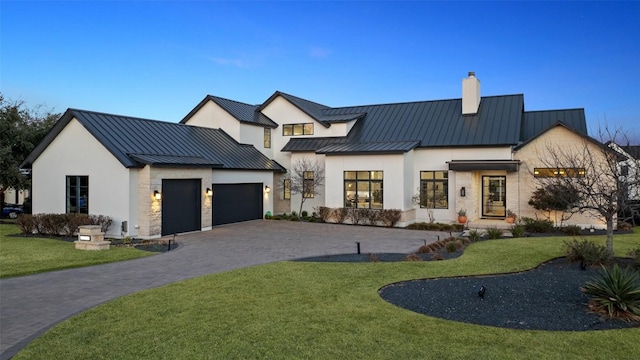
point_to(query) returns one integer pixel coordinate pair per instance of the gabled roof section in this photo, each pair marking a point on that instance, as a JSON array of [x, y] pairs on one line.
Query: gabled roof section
[[439, 123], [136, 142], [553, 126], [534, 122], [245, 113]]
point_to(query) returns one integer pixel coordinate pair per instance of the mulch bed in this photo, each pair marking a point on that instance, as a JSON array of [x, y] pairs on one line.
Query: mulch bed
[[545, 298]]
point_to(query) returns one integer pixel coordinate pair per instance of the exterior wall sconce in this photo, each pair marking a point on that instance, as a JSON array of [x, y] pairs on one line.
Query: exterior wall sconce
[[209, 192], [157, 195], [267, 189], [463, 192]]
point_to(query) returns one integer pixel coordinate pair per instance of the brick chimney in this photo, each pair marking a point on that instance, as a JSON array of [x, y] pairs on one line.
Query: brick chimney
[[470, 94]]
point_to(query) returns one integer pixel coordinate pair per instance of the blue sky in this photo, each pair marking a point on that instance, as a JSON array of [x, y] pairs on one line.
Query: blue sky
[[158, 59]]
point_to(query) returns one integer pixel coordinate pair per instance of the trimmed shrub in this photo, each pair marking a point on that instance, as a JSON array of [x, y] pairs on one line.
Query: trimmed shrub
[[615, 292], [372, 215], [537, 226], [304, 213], [425, 249], [341, 214], [450, 246], [324, 213], [459, 244], [391, 216], [624, 226], [494, 232], [26, 223], [104, 221], [413, 257], [74, 221], [571, 230], [587, 251], [356, 215], [437, 256], [53, 224]]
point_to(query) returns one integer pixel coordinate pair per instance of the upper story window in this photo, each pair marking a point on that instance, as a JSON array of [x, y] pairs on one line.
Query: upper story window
[[434, 189], [267, 138], [558, 172], [77, 198], [297, 129]]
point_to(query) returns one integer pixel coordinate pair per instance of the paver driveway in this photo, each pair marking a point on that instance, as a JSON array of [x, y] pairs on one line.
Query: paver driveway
[[29, 305]]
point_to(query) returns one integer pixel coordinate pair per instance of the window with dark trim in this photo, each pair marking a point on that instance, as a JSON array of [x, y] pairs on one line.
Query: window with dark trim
[[558, 172], [434, 189], [77, 195], [287, 189], [297, 129], [363, 189], [267, 138], [307, 184]]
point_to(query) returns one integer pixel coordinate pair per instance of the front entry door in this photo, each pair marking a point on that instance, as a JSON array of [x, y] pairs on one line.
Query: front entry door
[[494, 196]]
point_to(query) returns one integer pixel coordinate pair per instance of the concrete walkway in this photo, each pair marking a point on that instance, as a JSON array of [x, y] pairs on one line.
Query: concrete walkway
[[30, 305]]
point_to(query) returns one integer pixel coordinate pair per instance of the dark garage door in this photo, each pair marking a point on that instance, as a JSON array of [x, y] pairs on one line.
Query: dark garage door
[[236, 202], [181, 208]]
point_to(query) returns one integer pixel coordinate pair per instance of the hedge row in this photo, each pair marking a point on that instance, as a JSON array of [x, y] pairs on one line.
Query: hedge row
[[60, 224], [388, 217]]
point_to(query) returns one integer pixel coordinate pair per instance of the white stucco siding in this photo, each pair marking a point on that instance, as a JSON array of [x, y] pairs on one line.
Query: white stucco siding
[[245, 177], [76, 152], [283, 112], [435, 159], [394, 193], [213, 116], [254, 135], [531, 154]]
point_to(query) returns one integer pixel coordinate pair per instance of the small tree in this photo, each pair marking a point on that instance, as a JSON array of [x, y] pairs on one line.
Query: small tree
[[428, 199], [556, 198], [21, 129], [591, 171], [305, 178]]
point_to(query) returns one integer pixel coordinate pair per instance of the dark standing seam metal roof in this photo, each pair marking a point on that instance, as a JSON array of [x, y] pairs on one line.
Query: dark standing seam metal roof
[[432, 123], [633, 150], [535, 122], [244, 113], [364, 148], [136, 142]]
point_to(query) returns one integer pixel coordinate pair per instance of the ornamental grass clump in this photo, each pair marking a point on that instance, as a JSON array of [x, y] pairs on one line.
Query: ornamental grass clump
[[616, 293], [494, 233]]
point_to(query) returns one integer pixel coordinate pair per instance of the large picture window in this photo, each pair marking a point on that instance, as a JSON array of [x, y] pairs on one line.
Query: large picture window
[[297, 129], [77, 195], [307, 184], [558, 172], [434, 189], [363, 189]]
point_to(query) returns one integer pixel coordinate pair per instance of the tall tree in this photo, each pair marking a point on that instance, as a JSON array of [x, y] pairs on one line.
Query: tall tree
[[591, 177], [21, 129], [305, 178]]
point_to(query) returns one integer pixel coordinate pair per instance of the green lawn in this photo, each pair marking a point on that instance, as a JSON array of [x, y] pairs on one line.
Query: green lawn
[[293, 310], [28, 255]]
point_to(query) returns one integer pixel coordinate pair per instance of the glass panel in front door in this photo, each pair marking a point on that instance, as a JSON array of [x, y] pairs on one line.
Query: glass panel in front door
[[493, 196]]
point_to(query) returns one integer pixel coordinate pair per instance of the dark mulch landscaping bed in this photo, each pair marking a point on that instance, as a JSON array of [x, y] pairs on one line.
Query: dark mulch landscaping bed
[[545, 298]]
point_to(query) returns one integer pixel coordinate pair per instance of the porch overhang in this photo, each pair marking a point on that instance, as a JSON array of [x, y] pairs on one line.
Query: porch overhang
[[480, 165]]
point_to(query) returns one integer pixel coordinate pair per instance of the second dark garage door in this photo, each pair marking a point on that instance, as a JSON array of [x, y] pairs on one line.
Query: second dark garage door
[[181, 205], [236, 202]]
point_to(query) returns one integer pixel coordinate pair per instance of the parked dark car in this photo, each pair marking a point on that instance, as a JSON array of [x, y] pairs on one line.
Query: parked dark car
[[11, 210]]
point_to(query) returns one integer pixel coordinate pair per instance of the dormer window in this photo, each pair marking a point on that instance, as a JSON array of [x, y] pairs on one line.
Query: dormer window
[[297, 129]]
